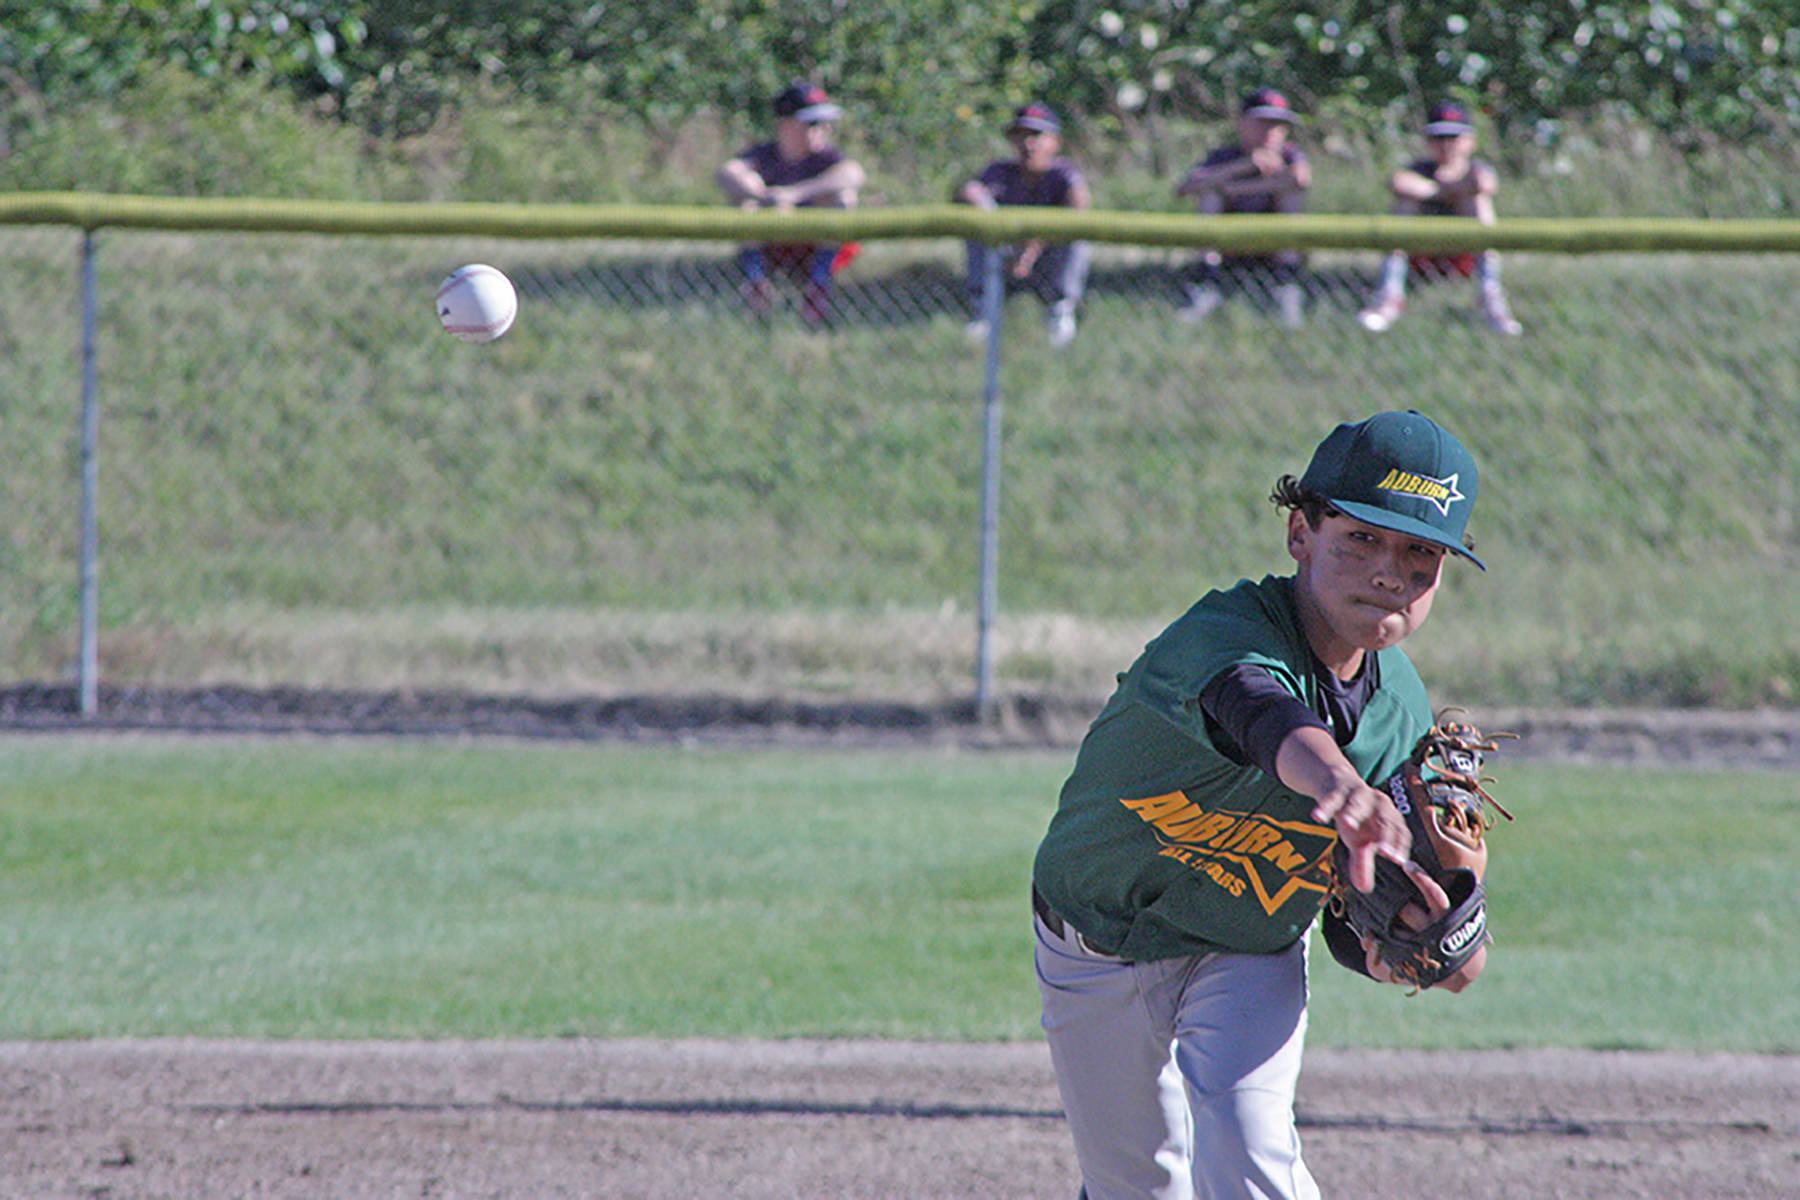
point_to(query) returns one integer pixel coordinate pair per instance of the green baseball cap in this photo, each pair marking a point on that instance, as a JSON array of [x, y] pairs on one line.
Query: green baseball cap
[[1399, 471]]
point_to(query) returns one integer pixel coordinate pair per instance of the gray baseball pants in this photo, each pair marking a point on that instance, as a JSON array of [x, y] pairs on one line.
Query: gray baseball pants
[[1178, 1075]]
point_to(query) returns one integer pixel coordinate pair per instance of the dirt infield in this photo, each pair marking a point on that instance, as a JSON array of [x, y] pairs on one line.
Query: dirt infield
[[814, 1120]]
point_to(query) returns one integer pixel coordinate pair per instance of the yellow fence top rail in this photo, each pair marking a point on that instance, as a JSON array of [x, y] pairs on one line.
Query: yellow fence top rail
[[93, 211]]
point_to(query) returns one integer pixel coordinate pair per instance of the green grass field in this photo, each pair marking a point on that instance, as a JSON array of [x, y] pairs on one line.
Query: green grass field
[[341, 889]]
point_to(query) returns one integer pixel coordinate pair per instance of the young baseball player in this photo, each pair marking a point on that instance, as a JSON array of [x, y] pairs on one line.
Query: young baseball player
[[799, 168], [1264, 171], [1036, 175], [1191, 846], [1449, 182]]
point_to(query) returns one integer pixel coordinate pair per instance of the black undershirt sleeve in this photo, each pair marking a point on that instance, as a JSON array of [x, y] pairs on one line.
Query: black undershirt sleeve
[[1250, 714]]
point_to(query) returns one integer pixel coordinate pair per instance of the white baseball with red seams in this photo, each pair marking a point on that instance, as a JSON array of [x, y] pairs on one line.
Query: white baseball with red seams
[[477, 303]]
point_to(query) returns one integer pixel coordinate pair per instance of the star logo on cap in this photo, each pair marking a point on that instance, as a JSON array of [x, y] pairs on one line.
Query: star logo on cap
[[1439, 493]]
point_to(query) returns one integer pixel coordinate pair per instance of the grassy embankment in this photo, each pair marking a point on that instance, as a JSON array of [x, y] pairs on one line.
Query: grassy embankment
[[302, 481]]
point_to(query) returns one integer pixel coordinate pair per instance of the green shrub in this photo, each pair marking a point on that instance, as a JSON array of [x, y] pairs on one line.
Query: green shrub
[[173, 133]]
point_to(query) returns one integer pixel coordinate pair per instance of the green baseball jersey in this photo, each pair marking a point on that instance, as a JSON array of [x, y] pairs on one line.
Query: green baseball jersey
[[1161, 845]]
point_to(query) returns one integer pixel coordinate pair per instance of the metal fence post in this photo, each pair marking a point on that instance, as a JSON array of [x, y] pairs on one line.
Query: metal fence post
[[90, 477], [992, 307]]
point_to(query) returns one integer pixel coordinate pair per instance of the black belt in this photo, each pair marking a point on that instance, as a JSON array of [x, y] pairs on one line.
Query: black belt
[[1063, 930], [1045, 913]]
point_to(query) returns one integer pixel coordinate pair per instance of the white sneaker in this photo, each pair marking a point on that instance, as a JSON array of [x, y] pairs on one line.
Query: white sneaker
[[1291, 304], [976, 330], [1382, 312], [1498, 313], [1061, 324], [1203, 302]]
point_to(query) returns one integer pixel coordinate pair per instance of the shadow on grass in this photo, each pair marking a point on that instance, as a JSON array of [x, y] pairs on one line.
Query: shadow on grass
[[903, 294]]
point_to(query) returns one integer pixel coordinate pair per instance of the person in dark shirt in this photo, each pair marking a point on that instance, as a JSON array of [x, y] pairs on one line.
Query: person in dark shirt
[[800, 168], [1262, 172], [1448, 182], [1036, 175]]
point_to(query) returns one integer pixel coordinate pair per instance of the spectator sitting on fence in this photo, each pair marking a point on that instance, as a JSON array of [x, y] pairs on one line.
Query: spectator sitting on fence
[[800, 168], [1262, 172], [1450, 182], [1036, 175]]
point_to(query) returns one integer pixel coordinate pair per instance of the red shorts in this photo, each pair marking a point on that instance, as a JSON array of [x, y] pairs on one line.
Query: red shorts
[[1443, 266], [796, 257]]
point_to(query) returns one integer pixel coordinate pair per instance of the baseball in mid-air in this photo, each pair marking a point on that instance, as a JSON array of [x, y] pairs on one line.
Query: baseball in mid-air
[[477, 303]]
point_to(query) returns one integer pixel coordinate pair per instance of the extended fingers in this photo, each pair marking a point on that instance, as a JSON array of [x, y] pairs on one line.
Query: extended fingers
[[1377, 829], [1362, 866]]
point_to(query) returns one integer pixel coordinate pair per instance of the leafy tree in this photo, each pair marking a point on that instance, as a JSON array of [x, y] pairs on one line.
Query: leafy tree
[[1731, 67], [935, 73], [95, 47]]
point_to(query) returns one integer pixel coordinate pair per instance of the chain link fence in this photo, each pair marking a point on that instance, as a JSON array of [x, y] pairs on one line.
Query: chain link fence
[[662, 480]]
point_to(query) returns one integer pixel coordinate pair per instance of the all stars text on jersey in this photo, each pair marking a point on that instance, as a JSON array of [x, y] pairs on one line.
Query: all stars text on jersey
[[1278, 859]]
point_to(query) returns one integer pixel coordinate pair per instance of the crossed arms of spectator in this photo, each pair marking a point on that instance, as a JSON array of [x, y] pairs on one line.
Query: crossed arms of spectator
[[835, 187]]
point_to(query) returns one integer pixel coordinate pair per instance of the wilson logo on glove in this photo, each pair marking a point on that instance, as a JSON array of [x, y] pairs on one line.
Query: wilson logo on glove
[[1459, 939]]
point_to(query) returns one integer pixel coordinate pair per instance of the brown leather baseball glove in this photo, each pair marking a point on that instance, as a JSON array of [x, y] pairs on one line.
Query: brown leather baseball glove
[[1425, 923]]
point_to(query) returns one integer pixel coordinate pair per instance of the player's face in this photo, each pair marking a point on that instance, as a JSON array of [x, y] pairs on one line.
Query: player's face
[[1036, 148], [1260, 132], [800, 138], [1362, 588], [1452, 147]]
